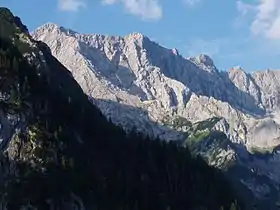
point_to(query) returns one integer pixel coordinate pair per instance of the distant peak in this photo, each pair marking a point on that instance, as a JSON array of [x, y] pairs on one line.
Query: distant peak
[[205, 59], [175, 51], [202, 59], [55, 27], [136, 35], [236, 68], [48, 27]]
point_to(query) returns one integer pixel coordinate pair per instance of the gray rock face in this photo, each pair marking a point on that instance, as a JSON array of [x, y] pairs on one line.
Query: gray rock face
[[140, 73], [138, 82]]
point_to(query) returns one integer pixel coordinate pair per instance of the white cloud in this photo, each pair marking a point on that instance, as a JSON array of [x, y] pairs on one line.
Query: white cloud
[[192, 2], [146, 9], [244, 8], [71, 5], [266, 20]]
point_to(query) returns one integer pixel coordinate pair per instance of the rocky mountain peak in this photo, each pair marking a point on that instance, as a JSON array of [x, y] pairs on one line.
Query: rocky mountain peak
[[136, 82], [49, 25], [236, 69], [54, 28], [175, 51], [136, 35], [204, 62], [204, 59]]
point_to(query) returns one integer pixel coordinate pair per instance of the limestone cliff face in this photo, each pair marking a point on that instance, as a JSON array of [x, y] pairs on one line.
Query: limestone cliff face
[[140, 82], [137, 72]]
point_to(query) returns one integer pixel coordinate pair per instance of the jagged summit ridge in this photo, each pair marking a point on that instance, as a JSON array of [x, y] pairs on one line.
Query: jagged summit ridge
[[136, 82], [50, 26], [204, 62], [138, 72]]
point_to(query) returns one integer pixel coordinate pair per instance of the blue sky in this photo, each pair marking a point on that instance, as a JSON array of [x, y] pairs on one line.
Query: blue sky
[[232, 32]]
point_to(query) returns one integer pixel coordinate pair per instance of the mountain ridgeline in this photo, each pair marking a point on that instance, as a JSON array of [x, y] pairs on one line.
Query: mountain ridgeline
[[230, 118], [59, 152]]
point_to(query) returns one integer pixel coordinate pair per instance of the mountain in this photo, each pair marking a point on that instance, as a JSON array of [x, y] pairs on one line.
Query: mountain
[[59, 152], [139, 84]]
